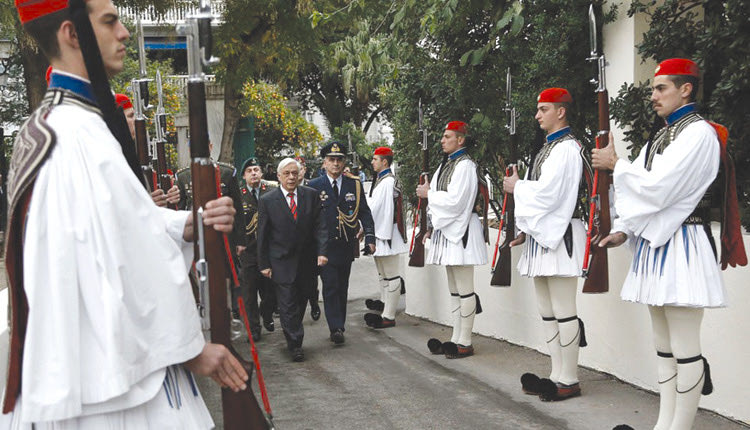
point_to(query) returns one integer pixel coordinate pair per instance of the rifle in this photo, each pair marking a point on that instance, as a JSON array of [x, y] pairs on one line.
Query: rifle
[[355, 251], [501, 272], [241, 409], [596, 271], [139, 87], [160, 124], [416, 249]]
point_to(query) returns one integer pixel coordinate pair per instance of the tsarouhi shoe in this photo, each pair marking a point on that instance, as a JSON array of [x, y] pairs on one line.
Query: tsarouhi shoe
[[374, 305], [376, 321], [622, 427], [435, 346], [562, 392], [456, 350]]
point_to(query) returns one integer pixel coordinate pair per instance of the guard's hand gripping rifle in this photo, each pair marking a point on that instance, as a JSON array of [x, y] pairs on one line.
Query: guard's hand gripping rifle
[[501, 271], [139, 88], [240, 409], [596, 270], [416, 250], [160, 124]]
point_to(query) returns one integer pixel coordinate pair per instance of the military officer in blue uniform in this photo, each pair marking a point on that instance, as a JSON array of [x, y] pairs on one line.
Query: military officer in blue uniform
[[346, 212]]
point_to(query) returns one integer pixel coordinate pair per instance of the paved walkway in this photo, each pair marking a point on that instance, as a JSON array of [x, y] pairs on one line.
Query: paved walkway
[[388, 380]]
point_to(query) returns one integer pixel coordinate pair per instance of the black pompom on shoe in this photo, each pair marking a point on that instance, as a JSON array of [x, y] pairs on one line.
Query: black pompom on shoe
[[622, 427], [374, 305], [530, 384], [547, 389], [372, 319], [435, 346]]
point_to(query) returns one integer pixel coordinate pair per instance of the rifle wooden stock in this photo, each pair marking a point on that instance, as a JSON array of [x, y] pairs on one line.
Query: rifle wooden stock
[[502, 271], [165, 180], [241, 409], [416, 257], [141, 149], [597, 269]]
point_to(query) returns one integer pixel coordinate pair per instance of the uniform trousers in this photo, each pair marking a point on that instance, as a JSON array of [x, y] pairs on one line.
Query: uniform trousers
[[335, 277], [252, 284]]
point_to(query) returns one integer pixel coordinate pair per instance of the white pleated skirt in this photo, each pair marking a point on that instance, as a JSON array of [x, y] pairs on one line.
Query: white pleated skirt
[[682, 272], [178, 405], [537, 260], [397, 245], [443, 252]]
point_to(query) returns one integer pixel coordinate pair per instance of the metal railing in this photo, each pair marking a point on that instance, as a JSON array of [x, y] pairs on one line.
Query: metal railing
[[181, 9]]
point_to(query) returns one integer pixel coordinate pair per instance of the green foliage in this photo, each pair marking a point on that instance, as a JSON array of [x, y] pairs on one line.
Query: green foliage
[[455, 56], [361, 148], [279, 129], [715, 34]]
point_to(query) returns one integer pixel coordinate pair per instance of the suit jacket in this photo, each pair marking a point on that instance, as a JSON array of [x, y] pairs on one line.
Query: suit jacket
[[343, 238], [288, 247]]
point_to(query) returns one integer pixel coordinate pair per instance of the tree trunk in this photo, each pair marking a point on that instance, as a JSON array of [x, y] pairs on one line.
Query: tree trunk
[[232, 115], [34, 69]]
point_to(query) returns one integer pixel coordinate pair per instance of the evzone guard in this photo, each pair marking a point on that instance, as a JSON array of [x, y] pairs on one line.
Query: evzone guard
[[663, 201], [457, 238], [386, 204], [83, 267], [545, 205]]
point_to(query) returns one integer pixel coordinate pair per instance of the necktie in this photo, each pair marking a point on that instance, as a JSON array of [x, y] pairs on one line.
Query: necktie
[[255, 194], [335, 189], [292, 206]]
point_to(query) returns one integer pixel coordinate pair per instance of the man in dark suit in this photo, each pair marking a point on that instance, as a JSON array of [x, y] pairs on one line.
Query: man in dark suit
[[252, 283], [292, 240], [345, 208]]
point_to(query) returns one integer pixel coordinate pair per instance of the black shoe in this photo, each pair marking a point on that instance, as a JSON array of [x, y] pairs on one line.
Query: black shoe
[[374, 305], [337, 336], [269, 325], [377, 321], [298, 355], [314, 311]]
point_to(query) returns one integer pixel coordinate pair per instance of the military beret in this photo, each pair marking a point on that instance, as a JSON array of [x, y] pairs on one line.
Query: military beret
[[333, 149], [252, 161], [677, 66], [554, 95]]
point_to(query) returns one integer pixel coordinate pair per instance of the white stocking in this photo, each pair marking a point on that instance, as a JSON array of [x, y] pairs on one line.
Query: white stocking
[[666, 368], [563, 294], [390, 272], [684, 330], [464, 279], [455, 305], [381, 278], [549, 323]]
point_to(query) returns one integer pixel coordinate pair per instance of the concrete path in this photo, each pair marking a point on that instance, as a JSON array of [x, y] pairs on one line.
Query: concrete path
[[388, 380]]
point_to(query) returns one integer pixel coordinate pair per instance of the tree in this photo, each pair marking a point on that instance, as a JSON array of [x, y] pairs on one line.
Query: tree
[[458, 54], [279, 129], [716, 34]]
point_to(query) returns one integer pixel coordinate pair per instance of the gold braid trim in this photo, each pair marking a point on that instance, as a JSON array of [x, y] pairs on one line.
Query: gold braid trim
[[252, 226], [349, 220]]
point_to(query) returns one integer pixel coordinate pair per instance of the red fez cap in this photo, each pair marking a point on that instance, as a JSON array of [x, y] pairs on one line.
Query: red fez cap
[[384, 151], [47, 75], [123, 101], [458, 127], [554, 95], [33, 9], [677, 66]]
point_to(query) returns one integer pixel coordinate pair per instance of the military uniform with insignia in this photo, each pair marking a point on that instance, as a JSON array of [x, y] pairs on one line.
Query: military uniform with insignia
[[345, 209], [252, 283]]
